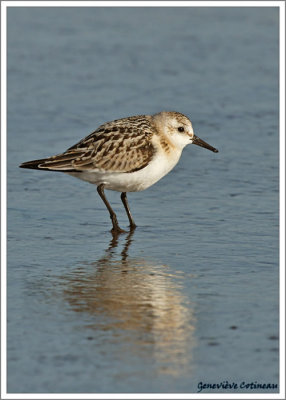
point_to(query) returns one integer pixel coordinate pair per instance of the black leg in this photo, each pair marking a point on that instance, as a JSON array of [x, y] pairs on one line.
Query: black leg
[[126, 206], [115, 226]]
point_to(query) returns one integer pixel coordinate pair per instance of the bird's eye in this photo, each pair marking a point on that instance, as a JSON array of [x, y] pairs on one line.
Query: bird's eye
[[181, 129]]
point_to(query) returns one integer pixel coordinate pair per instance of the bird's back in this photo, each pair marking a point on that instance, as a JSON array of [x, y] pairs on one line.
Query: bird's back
[[123, 145]]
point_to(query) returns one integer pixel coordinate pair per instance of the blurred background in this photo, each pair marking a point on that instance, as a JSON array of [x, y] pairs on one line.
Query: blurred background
[[191, 296]]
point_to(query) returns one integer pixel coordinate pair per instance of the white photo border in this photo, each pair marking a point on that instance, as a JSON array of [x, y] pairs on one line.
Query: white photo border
[[30, 396]]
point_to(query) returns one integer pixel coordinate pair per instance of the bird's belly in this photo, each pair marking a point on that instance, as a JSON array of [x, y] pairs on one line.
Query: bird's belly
[[132, 181]]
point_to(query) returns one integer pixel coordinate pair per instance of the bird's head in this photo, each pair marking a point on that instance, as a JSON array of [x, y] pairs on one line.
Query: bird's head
[[178, 128]]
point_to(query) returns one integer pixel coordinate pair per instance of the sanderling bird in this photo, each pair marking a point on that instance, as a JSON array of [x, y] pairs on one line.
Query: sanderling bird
[[126, 155]]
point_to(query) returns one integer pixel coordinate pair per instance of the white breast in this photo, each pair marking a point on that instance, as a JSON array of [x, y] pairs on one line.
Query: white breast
[[159, 166]]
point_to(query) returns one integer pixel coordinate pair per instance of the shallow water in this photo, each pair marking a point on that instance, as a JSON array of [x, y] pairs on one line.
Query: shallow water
[[192, 295]]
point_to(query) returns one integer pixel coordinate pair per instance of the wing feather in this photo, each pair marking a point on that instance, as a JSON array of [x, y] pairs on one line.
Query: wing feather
[[122, 145]]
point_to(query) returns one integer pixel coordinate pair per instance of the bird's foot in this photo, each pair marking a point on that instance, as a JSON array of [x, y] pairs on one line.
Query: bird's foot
[[116, 230], [132, 227]]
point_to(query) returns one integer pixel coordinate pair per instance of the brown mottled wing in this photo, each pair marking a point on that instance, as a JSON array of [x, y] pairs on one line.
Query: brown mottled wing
[[119, 146]]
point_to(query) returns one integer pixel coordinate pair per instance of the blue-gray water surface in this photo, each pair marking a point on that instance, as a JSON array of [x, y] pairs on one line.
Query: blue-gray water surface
[[192, 295]]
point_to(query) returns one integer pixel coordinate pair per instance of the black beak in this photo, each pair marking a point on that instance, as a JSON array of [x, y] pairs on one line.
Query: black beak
[[200, 142]]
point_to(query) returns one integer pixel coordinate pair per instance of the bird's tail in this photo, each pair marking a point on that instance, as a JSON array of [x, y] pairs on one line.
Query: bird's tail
[[60, 162], [34, 164]]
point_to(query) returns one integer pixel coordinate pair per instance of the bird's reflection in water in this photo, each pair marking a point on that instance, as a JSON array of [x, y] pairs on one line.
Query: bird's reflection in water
[[140, 302]]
